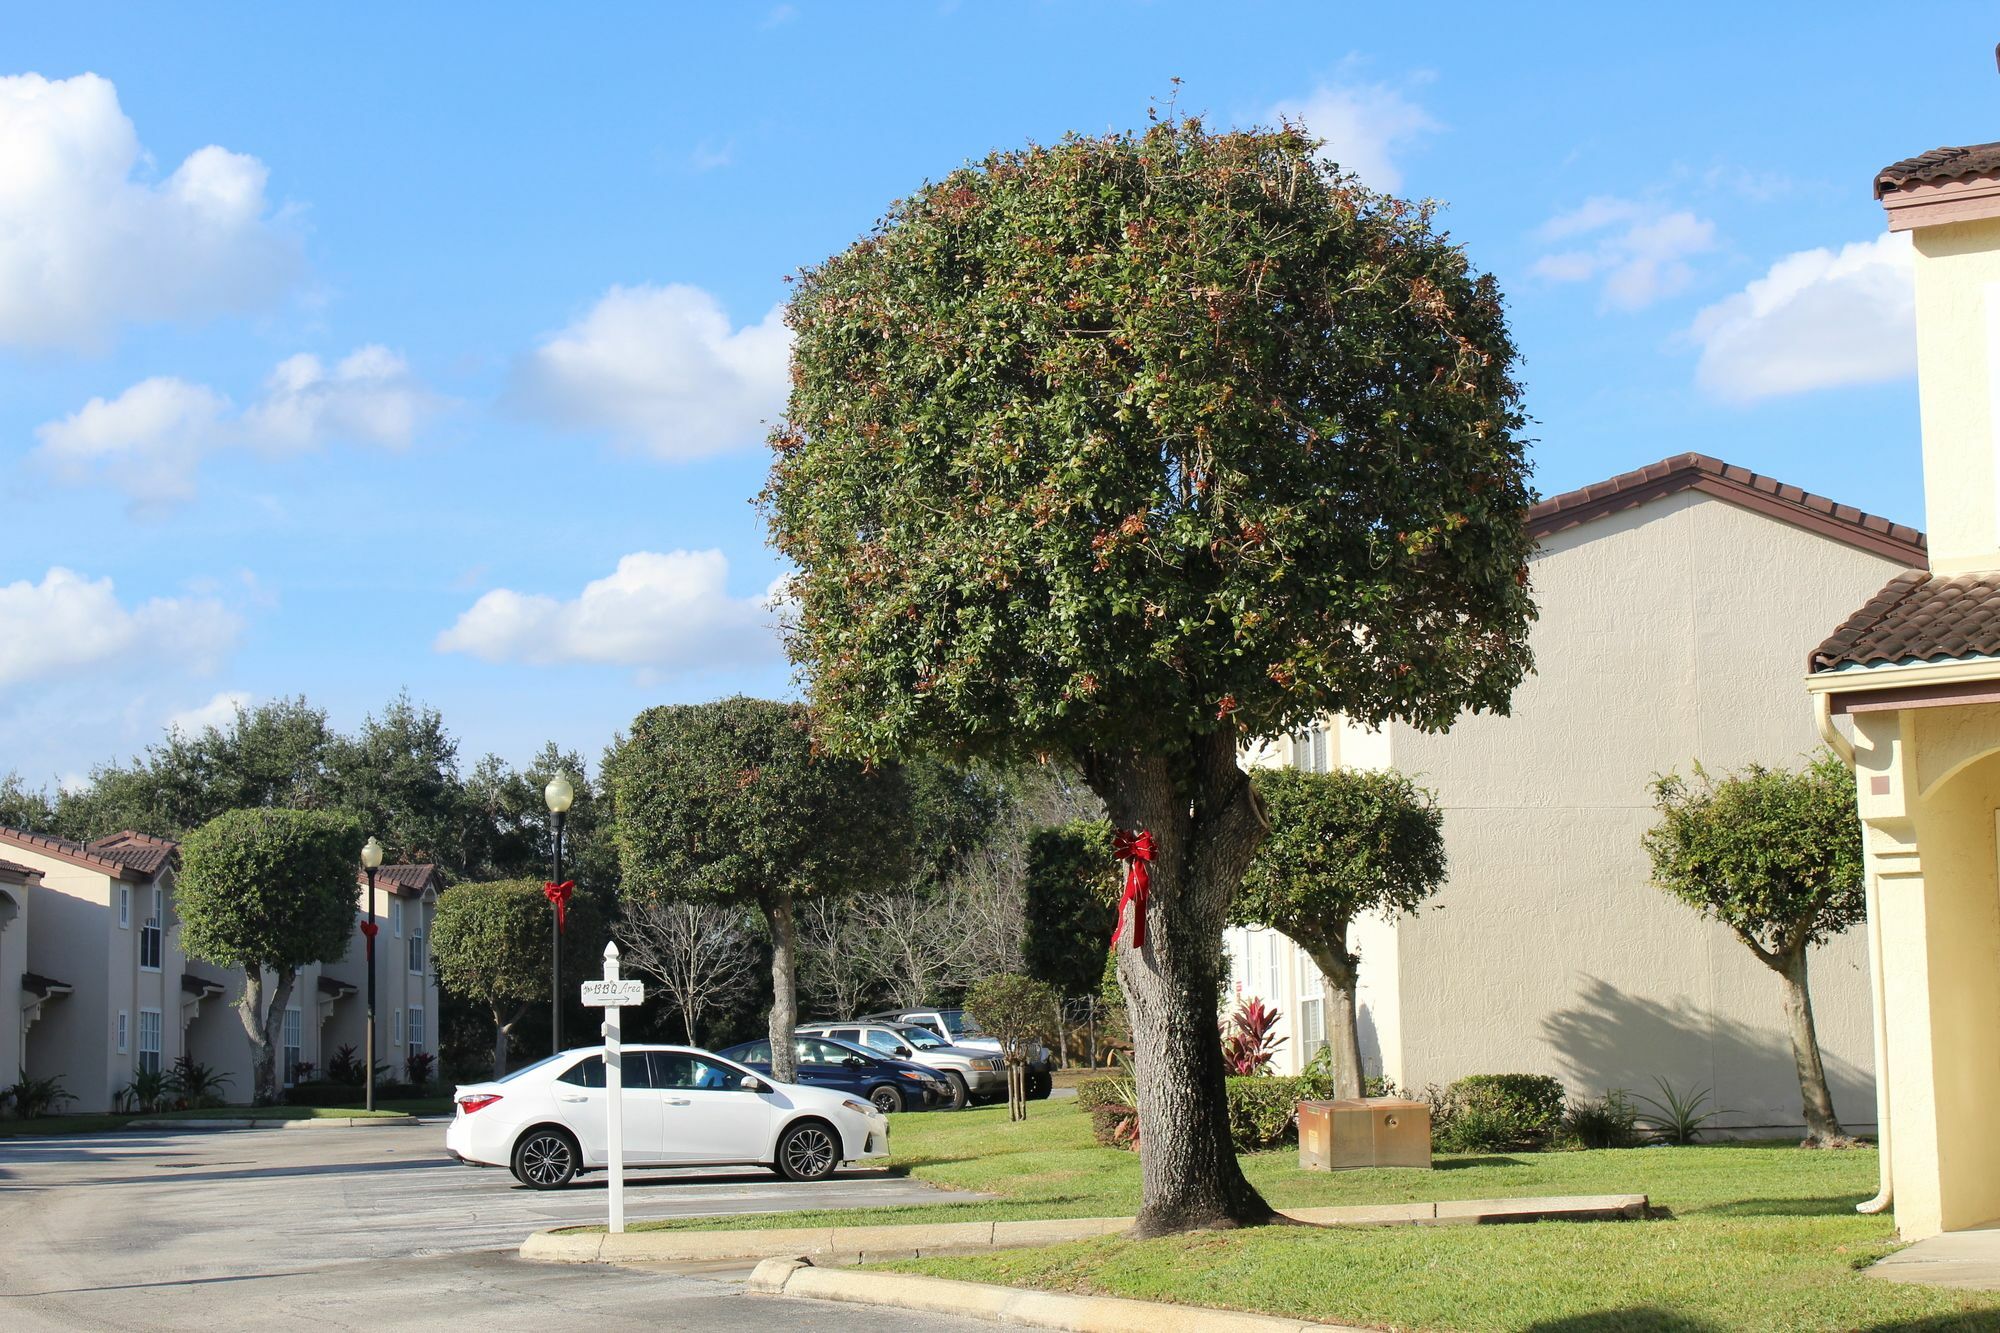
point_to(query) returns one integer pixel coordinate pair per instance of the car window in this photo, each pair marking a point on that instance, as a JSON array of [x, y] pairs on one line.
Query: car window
[[635, 1070], [757, 1053], [815, 1052], [673, 1069], [845, 1034], [882, 1040], [513, 1074], [921, 1038], [585, 1073]]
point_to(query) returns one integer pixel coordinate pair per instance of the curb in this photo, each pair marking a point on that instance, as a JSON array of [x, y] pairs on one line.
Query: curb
[[564, 1246], [795, 1279], [245, 1122]]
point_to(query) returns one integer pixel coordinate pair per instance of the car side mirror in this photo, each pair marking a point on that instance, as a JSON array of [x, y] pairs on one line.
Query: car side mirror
[[903, 1052], [751, 1083]]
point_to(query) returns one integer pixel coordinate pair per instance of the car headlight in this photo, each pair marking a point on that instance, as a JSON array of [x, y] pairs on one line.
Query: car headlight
[[988, 1065], [853, 1105]]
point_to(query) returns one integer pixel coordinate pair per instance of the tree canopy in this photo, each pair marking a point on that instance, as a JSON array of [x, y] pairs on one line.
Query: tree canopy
[[490, 942]]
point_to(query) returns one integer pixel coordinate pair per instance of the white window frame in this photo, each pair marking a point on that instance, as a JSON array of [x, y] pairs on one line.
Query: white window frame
[[418, 943], [398, 1026], [139, 1065], [1273, 968], [1312, 1027], [414, 1017], [396, 917], [124, 1028], [291, 1045], [154, 928], [124, 907]]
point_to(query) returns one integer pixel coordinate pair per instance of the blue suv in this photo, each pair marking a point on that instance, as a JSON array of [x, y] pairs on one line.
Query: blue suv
[[838, 1066]]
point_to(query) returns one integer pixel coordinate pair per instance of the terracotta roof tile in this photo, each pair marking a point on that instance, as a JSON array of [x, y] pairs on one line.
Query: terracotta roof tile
[[76, 853], [143, 852], [1918, 617], [1738, 485], [409, 881], [1938, 166], [16, 873]]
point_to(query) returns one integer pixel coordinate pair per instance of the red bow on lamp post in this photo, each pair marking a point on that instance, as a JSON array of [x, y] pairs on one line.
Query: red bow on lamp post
[[1135, 848], [369, 928], [558, 894]]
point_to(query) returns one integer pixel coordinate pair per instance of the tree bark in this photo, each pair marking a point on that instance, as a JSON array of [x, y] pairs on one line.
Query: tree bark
[[1198, 808], [784, 996], [260, 1024], [503, 1031], [1343, 1029], [1822, 1127]]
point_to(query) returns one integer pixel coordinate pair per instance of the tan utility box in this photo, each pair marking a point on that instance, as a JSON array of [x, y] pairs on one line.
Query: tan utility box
[[1362, 1132]]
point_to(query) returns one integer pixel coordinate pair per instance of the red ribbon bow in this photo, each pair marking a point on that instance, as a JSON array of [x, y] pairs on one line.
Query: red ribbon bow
[[369, 928], [1136, 850], [559, 895]]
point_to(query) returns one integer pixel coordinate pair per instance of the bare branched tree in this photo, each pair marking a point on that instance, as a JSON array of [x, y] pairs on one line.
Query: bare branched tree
[[838, 969], [697, 952]]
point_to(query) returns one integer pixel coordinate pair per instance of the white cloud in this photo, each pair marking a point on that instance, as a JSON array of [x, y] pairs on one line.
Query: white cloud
[[663, 612], [68, 623], [1639, 250], [1815, 320], [219, 712], [86, 244], [660, 368], [1364, 124], [150, 440]]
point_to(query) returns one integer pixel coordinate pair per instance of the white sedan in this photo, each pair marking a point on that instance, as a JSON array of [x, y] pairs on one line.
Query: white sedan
[[683, 1107]]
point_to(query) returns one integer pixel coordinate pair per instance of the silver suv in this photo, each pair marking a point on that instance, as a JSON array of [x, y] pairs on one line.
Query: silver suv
[[956, 1026], [974, 1075]]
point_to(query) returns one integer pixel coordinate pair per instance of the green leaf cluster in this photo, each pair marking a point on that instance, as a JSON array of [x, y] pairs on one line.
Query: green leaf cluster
[[1129, 439], [490, 941], [269, 888], [1016, 1008], [1774, 855]]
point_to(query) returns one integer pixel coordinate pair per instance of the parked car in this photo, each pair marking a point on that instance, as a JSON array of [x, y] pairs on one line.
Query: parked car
[[956, 1026], [974, 1075], [892, 1085], [546, 1122]]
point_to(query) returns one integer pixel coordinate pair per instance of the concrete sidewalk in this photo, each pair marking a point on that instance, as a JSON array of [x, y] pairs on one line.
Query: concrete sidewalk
[[1967, 1260]]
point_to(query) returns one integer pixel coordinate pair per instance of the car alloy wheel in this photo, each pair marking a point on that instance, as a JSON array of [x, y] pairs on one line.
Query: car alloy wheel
[[887, 1099], [808, 1152], [545, 1160]]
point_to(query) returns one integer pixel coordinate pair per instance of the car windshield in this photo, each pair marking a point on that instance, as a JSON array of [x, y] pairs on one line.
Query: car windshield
[[960, 1023], [513, 1074], [922, 1038]]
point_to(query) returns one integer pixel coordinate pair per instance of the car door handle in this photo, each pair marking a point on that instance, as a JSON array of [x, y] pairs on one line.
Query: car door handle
[[680, 1101], [571, 1097]]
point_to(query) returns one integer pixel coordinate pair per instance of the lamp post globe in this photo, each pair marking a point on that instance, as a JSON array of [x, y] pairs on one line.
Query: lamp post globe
[[558, 795], [371, 861]]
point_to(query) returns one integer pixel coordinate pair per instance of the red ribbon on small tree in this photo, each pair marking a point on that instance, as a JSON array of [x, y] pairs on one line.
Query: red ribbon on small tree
[[558, 894], [1135, 848]]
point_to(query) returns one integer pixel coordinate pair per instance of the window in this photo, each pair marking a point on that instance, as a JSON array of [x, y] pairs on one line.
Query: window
[[757, 1053], [882, 1040], [396, 917], [124, 907], [637, 1071], [1271, 967], [1309, 749], [122, 1039], [292, 1052], [149, 1042], [1312, 1027], [416, 1042], [671, 1069], [149, 935], [396, 1027], [812, 1051], [417, 948]]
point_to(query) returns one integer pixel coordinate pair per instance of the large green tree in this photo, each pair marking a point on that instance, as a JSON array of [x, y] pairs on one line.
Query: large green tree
[[1341, 844], [1776, 857], [1071, 892], [491, 945], [268, 891], [1126, 450], [732, 801]]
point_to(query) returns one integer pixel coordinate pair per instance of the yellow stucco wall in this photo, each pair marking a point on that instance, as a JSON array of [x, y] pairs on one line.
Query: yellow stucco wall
[[1958, 360]]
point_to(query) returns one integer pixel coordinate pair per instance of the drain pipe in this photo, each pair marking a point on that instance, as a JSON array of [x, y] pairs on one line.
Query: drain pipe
[[1886, 1194]]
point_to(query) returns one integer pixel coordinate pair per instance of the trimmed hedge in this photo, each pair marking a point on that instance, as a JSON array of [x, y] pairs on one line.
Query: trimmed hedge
[[1498, 1113]]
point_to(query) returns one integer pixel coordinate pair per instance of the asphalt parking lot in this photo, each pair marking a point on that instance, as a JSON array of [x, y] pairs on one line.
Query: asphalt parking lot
[[362, 1228]]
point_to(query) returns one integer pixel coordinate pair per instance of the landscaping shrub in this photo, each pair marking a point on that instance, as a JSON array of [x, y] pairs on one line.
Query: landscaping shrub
[[1498, 1113], [1602, 1122], [1263, 1110], [326, 1093], [1096, 1092], [36, 1097]]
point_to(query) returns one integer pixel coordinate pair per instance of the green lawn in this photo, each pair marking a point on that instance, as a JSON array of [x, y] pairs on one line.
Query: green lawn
[[1758, 1237], [98, 1124]]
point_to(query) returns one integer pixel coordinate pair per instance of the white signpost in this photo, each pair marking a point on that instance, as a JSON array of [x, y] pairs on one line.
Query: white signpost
[[610, 995]]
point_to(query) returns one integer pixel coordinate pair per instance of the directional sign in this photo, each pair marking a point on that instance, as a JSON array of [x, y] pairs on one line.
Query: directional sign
[[612, 994]]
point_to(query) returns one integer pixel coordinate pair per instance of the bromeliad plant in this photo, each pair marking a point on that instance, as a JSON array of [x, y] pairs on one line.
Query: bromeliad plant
[[1250, 1038]]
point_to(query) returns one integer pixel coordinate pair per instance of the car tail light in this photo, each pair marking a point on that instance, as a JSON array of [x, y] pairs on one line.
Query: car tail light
[[478, 1101]]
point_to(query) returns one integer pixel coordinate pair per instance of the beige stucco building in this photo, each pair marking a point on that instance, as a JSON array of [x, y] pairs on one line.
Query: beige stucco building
[[1917, 671], [1676, 604], [98, 988]]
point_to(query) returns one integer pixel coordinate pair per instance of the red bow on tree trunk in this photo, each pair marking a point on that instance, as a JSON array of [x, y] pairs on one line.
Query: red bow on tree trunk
[[559, 895], [1136, 850]]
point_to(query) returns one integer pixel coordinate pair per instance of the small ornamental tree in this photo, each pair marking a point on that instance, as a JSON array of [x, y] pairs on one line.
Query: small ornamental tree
[[1342, 844], [268, 891], [1022, 1013], [1776, 857], [490, 943], [1128, 450], [733, 802]]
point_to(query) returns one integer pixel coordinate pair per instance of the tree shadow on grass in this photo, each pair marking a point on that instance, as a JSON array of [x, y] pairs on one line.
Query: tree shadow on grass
[[1976, 1321], [1460, 1163], [1632, 1319], [1827, 1206]]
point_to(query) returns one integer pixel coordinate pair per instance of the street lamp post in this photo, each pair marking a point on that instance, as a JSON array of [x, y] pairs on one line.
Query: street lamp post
[[371, 860], [558, 794]]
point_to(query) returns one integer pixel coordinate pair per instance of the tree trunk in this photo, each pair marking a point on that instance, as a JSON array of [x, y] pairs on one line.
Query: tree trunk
[[503, 1031], [784, 998], [1205, 829], [1343, 1029], [1822, 1127], [260, 1024]]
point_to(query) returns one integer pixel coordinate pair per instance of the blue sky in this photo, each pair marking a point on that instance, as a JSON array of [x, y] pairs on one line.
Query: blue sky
[[424, 346]]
